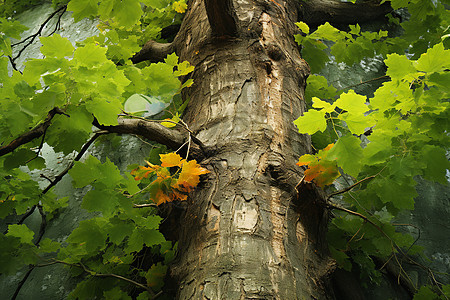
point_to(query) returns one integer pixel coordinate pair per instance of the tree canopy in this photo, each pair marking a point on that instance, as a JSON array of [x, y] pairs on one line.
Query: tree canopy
[[108, 84]]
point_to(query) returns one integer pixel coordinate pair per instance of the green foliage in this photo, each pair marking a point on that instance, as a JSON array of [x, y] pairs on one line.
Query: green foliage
[[88, 83], [399, 133]]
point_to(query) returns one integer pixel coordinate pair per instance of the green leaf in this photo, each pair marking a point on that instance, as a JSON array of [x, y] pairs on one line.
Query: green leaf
[[85, 173], [22, 232], [56, 46], [348, 154], [327, 32], [90, 55], [352, 102], [82, 9], [18, 158], [155, 276], [184, 68], [313, 53], [311, 122], [48, 246], [341, 258], [399, 66], [425, 293], [116, 294], [135, 242], [118, 231], [317, 86], [106, 111], [88, 235], [101, 200], [436, 59], [127, 12], [171, 60], [327, 107], [23, 90], [401, 195], [436, 163], [303, 27]]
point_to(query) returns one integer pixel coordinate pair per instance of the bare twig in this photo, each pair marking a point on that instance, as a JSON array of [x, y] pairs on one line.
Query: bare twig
[[22, 282], [145, 205], [77, 158], [364, 82], [350, 187], [36, 132], [32, 37]]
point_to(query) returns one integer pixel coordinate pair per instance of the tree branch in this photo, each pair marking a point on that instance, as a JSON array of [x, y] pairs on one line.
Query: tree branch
[[320, 11], [77, 158], [221, 17], [148, 129], [32, 37], [36, 132], [153, 52]]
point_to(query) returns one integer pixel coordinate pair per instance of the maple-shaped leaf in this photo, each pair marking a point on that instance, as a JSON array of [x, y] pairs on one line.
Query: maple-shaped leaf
[[190, 175], [143, 172], [161, 197], [306, 159], [320, 170], [171, 160], [323, 174]]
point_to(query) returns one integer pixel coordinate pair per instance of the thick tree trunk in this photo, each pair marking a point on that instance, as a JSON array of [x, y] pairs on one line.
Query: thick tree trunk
[[246, 234]]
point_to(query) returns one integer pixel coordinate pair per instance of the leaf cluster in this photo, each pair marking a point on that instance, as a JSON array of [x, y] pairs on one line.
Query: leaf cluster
[[168, 186], [399, 133], [88, 83]]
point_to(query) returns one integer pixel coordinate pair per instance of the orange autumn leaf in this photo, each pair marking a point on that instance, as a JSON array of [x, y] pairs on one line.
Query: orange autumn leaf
[[171, 160], [322, 174], [161, 197], [179, 196], [190, 175]]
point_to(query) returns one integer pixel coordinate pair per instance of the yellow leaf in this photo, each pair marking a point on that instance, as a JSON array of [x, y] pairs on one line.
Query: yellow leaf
[[190, 175], [168, 124], [171, 160], [179, 6]]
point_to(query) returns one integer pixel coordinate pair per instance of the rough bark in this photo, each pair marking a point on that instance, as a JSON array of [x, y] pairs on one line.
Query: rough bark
[[245, 233]]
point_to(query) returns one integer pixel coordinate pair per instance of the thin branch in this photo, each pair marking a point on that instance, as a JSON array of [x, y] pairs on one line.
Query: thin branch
[[145, 205], [77, 158], [95, 274], [364, 82], [350, 187], [22, 282], [34, 133], [32, 37], [222, 17], [24, 217], [43, 225]]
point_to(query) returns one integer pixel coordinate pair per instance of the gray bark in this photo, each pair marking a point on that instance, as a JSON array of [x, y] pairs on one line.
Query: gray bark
[[245, 233]]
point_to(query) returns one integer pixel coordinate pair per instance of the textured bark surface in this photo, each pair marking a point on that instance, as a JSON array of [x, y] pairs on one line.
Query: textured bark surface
[[245, 235]]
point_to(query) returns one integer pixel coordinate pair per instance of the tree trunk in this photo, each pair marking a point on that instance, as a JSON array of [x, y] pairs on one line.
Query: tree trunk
[[246, 234]]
